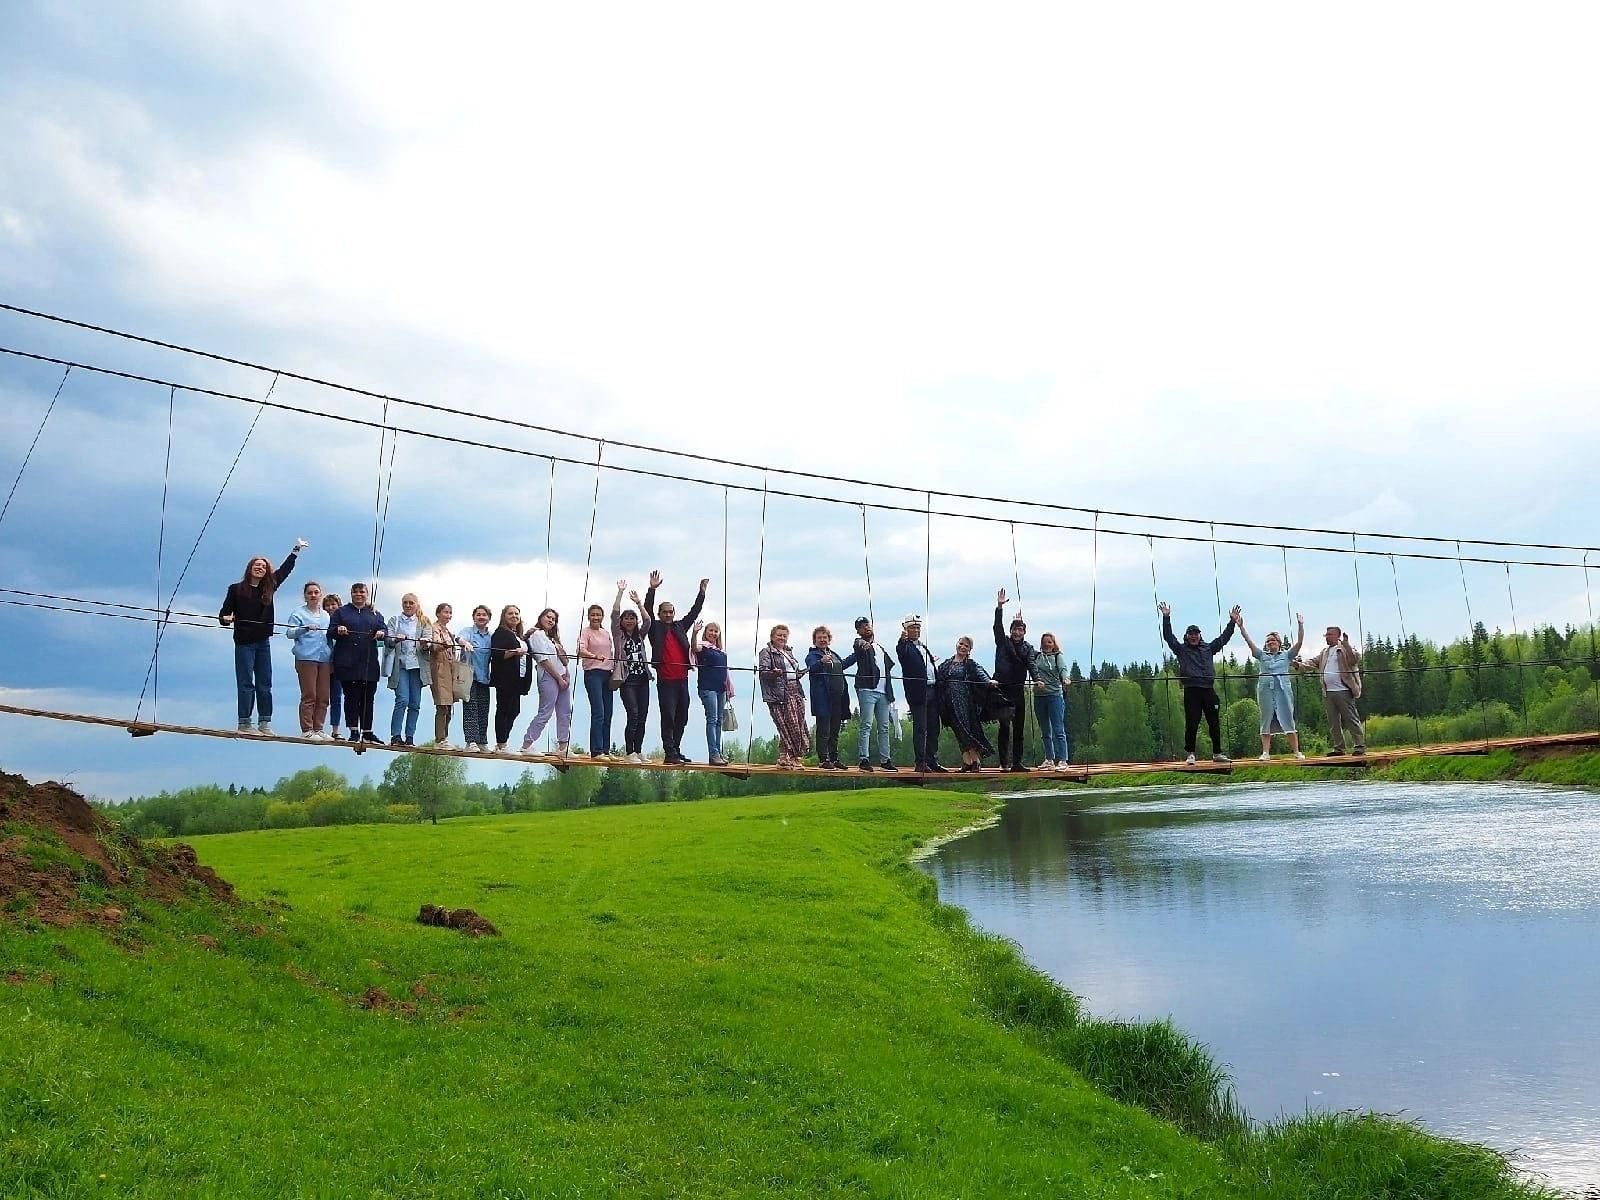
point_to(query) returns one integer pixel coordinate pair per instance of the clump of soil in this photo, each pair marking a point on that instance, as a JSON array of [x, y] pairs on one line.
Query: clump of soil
[[462, 919], [55, 847], [375, 999]]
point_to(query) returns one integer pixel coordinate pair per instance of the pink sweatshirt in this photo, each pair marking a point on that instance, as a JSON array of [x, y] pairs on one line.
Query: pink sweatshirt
[[595, 650]]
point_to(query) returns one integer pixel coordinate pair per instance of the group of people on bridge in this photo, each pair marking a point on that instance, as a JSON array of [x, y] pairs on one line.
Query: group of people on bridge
[[344, 648]]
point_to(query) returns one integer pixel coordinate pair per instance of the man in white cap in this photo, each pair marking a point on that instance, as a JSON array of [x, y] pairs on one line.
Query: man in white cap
[[917, 677]]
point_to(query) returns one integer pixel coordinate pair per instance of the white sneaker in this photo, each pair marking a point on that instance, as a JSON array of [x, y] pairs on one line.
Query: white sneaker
[[474, 748], [499, 747], [1298, 754], [635, 757], [333, 735], [529, 750], [1263, 758], [1046, 765], [1221, 758], [1189, 762], [444, 745], [563, 749], [264, 729]]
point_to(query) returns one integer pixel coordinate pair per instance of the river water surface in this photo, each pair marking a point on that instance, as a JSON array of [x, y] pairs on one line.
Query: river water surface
[[1430, 950]]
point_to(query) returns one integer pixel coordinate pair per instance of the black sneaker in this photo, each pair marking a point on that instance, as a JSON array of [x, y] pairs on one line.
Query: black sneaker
[[1336, 753], [936, 769], [886, 765], [410, 742], [971, 769], [864, 765], [396, 741]]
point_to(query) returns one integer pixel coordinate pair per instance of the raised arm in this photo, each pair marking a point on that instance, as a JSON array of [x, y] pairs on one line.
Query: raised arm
[[1255, 651], [694, 609], [1299, 635], [1217, 644], [287, 565], [1166, 628]]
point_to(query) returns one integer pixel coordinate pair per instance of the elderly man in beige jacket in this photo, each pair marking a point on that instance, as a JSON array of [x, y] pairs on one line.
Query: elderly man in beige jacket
[[1338, 665]]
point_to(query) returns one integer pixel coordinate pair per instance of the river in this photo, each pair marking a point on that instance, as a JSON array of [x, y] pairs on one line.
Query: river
[[1428, 950]]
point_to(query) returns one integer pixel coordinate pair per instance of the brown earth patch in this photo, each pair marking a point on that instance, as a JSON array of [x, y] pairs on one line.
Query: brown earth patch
[[464, 920], [52, 841], [375, 999]]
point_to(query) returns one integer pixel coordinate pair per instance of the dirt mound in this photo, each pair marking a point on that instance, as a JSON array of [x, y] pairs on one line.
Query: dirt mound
[[462, 919], [53, 843]]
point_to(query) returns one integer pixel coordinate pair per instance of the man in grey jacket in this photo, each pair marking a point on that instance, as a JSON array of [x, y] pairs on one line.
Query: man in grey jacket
[[1338, 665]]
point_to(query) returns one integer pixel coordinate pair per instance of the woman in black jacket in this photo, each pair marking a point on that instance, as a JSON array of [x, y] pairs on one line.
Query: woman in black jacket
[[355, 630], [247, 609], [508, 673]]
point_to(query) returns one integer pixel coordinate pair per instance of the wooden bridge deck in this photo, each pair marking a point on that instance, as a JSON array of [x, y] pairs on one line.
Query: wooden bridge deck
[[1070, 774]]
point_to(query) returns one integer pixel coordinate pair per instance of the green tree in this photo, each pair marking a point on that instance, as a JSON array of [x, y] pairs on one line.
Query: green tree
[[1122, 731], [433, 782]]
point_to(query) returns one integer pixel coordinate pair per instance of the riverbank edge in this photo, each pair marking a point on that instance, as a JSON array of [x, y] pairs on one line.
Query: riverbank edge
[[1155, 1066], [1556, 767]]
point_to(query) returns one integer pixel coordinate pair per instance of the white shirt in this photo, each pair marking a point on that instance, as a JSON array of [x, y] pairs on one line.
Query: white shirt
[[542, 648], [1331, 680], [927, 660]]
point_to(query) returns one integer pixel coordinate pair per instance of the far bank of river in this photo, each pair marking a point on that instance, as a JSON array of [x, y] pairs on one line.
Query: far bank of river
[[1427, 951]]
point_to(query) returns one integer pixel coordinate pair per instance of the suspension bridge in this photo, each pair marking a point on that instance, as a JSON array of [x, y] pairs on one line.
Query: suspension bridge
[[400, 418]]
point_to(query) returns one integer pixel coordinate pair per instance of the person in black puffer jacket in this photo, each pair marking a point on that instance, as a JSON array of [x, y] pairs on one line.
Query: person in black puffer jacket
[[1198, 675]]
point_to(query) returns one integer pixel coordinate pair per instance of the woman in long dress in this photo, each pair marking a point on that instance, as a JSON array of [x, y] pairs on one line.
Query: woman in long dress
[[1275, 685], [963, 685]]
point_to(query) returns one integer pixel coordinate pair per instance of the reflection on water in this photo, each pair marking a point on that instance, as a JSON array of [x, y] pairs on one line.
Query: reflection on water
[[1430, 950]]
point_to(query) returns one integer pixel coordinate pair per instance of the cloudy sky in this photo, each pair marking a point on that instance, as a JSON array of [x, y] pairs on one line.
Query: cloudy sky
[[1248, 264]]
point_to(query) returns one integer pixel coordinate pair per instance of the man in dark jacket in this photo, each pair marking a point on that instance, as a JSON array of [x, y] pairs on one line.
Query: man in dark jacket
[[669, 650], [355, 631], [917, 666], [1198, 675], [1013, 664]]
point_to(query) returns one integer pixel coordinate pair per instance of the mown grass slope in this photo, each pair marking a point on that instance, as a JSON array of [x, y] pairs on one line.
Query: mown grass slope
[[738, 998]]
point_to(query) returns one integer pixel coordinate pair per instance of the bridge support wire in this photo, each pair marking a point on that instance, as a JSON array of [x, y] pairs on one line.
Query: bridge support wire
[[755, 684], [37, 434], [1161, 658], [1405, 645]]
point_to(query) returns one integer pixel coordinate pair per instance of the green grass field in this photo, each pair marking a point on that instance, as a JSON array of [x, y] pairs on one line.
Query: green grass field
[[732, 998]]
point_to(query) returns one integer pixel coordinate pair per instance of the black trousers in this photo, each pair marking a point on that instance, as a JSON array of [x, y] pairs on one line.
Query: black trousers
[[636, 703], [925, 729], [359, 695], [1011, 727], [507, 706], [674, 697], [1197, 700], [828, 738]]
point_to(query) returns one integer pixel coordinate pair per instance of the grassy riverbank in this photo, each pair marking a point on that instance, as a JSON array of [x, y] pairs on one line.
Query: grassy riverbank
[[1564, 768], [740, 997]]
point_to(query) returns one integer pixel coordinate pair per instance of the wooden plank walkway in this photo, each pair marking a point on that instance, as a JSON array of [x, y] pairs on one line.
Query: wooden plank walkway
[[1070, 774]]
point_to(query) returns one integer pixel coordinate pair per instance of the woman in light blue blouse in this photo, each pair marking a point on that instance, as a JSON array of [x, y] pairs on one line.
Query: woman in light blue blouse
[[403, 667], [1275, 686], [313, 660]]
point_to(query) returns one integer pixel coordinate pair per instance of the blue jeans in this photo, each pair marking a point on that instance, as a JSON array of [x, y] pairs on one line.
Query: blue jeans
[[252, 671], [597, 687], [713, 702], [874, 706], [1052, 714], [407, 702]]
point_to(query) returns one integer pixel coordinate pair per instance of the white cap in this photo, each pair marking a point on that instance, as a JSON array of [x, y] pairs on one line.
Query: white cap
[[910, 619]]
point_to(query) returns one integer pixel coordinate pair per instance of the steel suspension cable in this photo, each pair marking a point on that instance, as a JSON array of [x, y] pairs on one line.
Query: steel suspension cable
[[1161, 659], [200, 537], [755, 686], [1094, 613], [700, 457], [866, 566], [549, 530], [1516, 639], [1472, 649], [161, 545], [37, 434], [1405, 647], [1588, 596]]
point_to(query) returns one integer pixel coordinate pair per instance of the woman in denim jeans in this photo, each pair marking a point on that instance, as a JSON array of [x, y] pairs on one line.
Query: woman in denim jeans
[[404, 664], [716, 684], [1050, 681], [247, 610]]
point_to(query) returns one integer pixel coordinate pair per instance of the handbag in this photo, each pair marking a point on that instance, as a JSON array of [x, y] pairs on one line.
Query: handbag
[[730, 722], [463, 678]]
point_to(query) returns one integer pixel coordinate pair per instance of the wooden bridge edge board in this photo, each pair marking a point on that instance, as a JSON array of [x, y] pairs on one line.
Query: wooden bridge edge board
[[1077, 774]]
